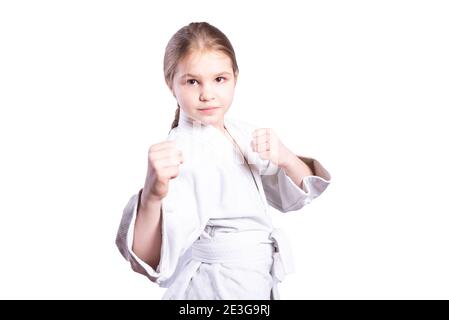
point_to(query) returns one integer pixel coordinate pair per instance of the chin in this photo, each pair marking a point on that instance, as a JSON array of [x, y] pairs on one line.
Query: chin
[[210, 117]]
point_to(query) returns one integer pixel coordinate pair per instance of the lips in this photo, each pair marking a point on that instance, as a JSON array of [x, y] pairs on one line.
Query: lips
[[209, 108]]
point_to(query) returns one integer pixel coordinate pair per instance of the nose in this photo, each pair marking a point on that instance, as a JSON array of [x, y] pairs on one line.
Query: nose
[[206, 93]]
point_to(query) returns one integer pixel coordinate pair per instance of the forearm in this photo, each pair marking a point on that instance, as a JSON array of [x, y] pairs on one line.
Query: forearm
[[147, 231], [295, 168]]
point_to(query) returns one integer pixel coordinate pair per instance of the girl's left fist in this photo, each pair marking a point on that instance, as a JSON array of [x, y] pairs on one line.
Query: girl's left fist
[[266, 143]]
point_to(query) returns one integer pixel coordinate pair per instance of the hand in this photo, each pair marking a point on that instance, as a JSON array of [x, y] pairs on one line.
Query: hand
[[266, 143], [163, 164]]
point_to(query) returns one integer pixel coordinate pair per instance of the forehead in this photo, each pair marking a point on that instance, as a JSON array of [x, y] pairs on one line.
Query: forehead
[[204, 64]]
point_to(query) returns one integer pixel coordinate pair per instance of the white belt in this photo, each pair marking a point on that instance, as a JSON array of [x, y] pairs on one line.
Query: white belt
[[248, 246], [283, 263]]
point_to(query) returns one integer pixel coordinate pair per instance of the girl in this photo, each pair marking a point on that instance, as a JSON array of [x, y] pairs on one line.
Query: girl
[[200, 225]]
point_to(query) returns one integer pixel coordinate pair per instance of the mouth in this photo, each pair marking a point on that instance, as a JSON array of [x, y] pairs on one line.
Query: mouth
[[208, 109]]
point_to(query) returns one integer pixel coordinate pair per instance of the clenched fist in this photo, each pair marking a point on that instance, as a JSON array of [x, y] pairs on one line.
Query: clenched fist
[[163, 164], [269, 147]]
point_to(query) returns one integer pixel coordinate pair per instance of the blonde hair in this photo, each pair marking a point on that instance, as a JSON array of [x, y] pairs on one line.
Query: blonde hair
[[194, 36]]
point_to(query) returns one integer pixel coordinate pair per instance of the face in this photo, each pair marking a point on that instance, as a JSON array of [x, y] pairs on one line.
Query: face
[[204, 85]]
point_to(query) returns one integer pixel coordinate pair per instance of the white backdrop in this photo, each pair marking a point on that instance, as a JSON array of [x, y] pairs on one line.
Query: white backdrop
[[362, 86]]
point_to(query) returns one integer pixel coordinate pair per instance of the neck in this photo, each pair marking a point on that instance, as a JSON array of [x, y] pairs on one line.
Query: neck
[[220, 127]]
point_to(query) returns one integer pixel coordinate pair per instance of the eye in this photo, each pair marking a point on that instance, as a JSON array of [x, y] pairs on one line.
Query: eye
[[221, 78], [189, 81]]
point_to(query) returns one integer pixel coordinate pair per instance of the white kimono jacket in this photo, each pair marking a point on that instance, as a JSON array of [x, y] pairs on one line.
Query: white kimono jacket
[[218, 241]]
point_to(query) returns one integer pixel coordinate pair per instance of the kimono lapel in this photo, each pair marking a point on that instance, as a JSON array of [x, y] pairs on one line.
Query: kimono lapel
[[243, 137], [251, 159], [214, 141]]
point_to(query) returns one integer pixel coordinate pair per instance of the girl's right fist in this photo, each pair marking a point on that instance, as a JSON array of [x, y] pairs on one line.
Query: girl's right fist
[[163, 164]]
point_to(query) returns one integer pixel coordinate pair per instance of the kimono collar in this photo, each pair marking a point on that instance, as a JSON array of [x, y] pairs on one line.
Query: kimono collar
[[214, 138], [209, 136], [188, 123]]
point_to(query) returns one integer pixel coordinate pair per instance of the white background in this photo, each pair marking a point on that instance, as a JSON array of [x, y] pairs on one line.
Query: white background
[[362, 86]]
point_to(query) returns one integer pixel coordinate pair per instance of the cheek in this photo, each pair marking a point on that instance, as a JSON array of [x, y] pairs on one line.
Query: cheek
[[227, 93], [187, 96]]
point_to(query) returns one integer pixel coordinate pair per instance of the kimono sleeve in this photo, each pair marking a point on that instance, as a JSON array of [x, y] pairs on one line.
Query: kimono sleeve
[[284, 195], [180, 227]]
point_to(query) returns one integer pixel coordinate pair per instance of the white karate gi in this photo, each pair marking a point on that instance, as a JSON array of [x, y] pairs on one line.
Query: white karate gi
[[218, 241]]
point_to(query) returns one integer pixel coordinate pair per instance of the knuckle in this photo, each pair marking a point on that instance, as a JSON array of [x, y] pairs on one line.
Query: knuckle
[[172, 155], [170, 143]]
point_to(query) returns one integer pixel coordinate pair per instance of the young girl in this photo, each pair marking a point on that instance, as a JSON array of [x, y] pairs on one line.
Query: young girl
[[200, 226]]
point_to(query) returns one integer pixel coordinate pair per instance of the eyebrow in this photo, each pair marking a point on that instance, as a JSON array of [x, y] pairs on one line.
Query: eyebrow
[[195, 76]]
